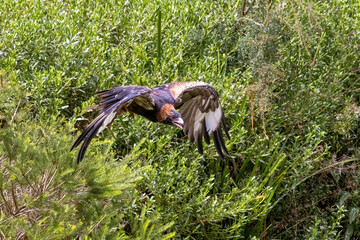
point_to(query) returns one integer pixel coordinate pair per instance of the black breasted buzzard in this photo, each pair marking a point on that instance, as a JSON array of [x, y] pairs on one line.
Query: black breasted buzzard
[[200, 113]]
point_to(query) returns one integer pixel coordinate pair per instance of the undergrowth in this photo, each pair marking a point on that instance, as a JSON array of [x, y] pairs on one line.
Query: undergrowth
[[288, 77]]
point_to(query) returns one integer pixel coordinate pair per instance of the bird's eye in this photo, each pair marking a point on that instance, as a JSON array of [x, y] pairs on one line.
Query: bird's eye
[[167, 120]]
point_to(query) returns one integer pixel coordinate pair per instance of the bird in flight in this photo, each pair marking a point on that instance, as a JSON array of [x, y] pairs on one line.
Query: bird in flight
[[200, 114]]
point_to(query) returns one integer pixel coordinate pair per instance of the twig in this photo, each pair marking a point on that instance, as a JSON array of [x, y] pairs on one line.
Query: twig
[[97, 224], [2, 235], [251, 20], [13, 116], [28, 182], [245, 12], [243, 7], [49, 181], [5, 202], [14, 197], [270, 5]]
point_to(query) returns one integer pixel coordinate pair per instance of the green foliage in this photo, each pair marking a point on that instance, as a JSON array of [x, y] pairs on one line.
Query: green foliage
[[46, 195], [288, 76]]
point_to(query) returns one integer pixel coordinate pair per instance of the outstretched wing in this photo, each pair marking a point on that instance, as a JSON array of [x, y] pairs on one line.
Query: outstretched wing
[[115, 101], [200, 108]]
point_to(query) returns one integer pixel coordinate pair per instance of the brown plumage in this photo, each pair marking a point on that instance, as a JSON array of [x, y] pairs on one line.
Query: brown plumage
[[200, 113]]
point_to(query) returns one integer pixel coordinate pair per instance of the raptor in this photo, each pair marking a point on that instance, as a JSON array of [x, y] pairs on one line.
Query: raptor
[[199, 112]]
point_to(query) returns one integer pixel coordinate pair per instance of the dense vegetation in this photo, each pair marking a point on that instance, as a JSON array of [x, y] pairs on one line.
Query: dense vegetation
[[288, 73]]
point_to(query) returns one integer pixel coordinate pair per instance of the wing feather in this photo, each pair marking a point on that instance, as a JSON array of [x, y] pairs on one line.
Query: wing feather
[[178, 89], [112, 102], [186, 114], [199, 143], [200, 108], [221, 140], [205, 132], [217, 145]]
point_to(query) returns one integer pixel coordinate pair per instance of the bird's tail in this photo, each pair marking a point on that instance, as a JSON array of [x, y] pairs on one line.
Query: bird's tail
[[111, 103], [95, 127]]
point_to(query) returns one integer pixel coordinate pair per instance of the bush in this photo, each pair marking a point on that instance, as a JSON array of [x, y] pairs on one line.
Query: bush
[[288, 76]]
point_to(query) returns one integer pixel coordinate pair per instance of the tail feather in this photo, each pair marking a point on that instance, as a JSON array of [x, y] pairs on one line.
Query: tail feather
[[95, 127], [111, 103], [111, 96], [86, 131], [87, 139]]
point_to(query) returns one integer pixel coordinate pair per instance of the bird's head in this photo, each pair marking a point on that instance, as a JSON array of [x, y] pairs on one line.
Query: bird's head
[[174, 119], [169, 116]]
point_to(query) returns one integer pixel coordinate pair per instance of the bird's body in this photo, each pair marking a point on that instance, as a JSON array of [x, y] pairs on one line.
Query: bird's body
[[200, 113]]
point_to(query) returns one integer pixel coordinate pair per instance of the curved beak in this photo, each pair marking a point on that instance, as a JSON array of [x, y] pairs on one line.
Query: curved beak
[[178, 122]]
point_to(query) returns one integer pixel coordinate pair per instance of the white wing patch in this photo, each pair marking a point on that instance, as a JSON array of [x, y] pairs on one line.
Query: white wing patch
[[200, 108], [212, 120], [107, 120], [193, 115]]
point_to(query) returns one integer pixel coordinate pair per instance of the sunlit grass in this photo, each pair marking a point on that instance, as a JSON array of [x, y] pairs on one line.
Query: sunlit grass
[[287, 75]]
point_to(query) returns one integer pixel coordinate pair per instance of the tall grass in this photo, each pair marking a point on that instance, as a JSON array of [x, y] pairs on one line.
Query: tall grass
[[288, 76]]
